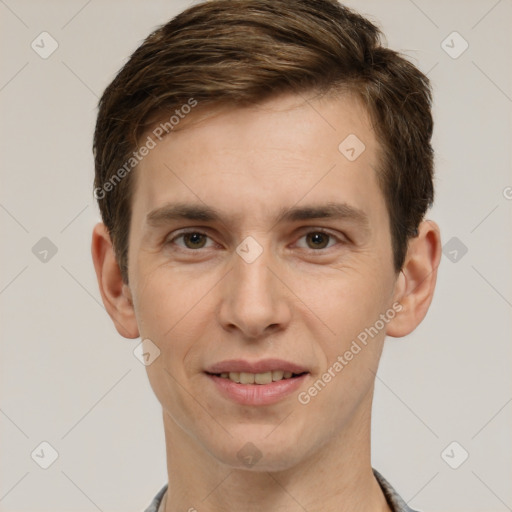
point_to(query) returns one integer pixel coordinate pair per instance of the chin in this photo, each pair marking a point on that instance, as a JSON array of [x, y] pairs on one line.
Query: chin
[[258, 453], [262, 461]]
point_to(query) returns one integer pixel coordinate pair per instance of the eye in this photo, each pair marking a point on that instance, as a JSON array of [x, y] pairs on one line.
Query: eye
[[194, 240], [319, 239], [191, 240]]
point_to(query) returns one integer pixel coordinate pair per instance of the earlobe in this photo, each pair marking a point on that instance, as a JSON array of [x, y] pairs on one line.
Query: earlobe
[[416, 282], [115, 294]]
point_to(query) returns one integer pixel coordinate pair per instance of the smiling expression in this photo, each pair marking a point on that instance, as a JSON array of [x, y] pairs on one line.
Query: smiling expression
[[258, 247]]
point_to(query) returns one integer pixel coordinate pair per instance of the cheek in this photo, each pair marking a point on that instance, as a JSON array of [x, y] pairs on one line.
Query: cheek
[[174, 310], [346, 300], [351, 356], [353, 311], [161, 298]]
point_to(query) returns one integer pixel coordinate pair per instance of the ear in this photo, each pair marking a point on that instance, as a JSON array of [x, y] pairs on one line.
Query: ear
[[115, 294], [416, 282]]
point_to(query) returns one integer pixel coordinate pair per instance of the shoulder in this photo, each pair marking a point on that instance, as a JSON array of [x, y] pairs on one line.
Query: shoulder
[[395, 501], [155, 504]]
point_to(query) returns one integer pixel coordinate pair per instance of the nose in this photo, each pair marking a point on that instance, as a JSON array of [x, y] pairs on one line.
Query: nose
[[254, 299]]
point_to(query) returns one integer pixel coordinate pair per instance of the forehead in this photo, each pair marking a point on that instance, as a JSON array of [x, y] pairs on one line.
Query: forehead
[[263, 158]]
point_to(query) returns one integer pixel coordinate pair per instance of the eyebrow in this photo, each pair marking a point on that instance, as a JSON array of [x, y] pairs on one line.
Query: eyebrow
[[200, 212]]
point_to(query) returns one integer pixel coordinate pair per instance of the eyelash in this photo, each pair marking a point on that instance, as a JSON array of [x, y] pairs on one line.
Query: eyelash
[[317, 230]]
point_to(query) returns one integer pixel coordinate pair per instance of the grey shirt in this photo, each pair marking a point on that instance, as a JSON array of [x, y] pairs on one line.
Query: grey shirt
[[396, 503]]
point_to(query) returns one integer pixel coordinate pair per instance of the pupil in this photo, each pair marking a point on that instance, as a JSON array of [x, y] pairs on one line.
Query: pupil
[[195, 239], [318, 239]]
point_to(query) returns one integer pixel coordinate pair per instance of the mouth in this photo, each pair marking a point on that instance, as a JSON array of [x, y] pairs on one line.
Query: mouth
[[256, 383], [258, 378]]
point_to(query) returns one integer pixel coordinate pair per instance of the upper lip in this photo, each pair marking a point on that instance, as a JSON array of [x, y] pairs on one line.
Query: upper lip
[[261, 366]]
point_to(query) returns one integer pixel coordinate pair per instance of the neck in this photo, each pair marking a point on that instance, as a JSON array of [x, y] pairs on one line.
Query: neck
[[337, 477]]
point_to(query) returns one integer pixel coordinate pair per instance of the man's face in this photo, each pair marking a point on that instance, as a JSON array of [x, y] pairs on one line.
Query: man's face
[[300, 289]]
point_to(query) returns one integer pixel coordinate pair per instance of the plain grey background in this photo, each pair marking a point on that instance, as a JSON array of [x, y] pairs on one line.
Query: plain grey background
[[68, 379]]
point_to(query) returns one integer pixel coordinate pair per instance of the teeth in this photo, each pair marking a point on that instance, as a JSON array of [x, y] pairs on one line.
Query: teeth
[[257, 378], [246, 378], [277, 375], [263, 378]]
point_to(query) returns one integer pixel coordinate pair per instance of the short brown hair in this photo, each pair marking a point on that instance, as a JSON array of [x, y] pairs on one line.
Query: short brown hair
[[239, 52]]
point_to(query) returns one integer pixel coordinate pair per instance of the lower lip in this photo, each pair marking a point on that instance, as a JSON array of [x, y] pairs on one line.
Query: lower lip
[[257, 394]]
